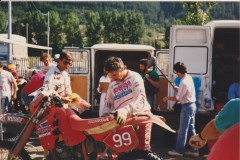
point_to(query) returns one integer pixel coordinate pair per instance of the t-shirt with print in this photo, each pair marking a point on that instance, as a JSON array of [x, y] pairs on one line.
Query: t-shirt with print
[[55, 79], [130, 91], [6, 78]]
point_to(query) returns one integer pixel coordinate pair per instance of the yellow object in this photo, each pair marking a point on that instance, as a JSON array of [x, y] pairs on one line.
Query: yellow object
[[76, 99], [11, 66]]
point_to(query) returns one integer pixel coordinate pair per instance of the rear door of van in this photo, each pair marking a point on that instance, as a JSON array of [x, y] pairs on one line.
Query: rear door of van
[[192, 46], [80, 73]]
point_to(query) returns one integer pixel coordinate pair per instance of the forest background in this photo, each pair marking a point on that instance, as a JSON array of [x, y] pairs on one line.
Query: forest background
[[83, 24]]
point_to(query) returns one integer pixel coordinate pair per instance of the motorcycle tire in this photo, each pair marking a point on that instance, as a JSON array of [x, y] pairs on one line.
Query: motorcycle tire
[[5, 149], [10, 137], [140, 155]]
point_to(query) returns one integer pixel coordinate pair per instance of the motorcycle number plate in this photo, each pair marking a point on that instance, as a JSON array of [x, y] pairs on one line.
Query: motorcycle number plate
[[123, 139]]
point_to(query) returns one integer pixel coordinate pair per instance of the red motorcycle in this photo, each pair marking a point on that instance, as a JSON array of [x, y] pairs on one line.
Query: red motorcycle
[[65, 136]]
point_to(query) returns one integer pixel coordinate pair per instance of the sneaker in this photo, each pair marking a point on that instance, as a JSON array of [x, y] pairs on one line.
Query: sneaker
[[192, 154], [175, 153]]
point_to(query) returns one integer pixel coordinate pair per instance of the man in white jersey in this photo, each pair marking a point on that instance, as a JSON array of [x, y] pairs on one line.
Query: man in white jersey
[[57, 77], [8, 88], [185, 96], [126, 95]]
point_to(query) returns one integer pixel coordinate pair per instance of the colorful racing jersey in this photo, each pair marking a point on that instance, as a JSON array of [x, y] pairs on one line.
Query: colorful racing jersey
[[130, 92], [60, 81]]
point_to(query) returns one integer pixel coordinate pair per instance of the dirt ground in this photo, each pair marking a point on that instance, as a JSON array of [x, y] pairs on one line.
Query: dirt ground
[[36, 151]]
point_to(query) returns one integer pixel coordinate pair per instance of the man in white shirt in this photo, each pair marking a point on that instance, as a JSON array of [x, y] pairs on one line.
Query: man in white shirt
[[57, 77], [186, 96], [8, 88]]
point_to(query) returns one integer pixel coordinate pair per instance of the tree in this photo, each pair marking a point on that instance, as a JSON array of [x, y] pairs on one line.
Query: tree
[[111, 26], [135, 27], [93, 26], [123, 27], [3, 24], [196, 14], [72, 30], [57, 37]]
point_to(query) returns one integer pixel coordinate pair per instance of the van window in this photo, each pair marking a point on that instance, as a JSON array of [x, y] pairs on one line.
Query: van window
[[81, 60], [163, 62], [195, 58]]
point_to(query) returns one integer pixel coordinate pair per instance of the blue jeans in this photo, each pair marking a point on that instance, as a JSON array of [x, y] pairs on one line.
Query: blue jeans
[[186, 128], [4, 104], [150, 99]]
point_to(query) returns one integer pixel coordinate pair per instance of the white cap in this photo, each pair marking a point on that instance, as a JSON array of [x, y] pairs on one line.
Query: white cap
[[56, 56]]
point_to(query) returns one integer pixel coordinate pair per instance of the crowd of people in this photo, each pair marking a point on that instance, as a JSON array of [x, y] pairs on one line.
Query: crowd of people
[[125, 91]]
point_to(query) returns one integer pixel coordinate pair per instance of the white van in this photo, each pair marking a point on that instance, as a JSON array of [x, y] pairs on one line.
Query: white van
[[211, 54]]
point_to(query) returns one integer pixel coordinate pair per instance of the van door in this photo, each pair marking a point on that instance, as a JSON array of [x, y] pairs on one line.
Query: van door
[[162, 62], [192, 46], [80, 73]]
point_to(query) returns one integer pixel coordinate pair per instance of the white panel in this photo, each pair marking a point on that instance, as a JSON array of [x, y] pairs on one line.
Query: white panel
[[193, 36], [195, 58]]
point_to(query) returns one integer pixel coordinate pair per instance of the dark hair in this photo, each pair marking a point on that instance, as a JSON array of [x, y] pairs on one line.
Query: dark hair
[[66, 55], [180, 67], [144, 62], [1, 65], [113, 64]]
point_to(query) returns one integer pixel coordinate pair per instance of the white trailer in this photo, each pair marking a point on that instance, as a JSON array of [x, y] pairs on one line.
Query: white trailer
[[18, 51]]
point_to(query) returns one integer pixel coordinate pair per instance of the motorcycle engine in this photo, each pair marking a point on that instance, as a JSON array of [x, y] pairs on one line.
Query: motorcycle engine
[[63, 152]]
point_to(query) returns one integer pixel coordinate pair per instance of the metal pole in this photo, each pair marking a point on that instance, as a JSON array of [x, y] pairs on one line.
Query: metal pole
[[1, 112], [27, 32], [169, 81], [48, 31], [9, 30]]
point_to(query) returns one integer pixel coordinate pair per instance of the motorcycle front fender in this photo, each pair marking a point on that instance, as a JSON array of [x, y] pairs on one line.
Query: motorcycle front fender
[[14, 118]]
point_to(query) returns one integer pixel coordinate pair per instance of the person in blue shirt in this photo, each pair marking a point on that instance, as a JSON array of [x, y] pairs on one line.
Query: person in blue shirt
[[234, 90]]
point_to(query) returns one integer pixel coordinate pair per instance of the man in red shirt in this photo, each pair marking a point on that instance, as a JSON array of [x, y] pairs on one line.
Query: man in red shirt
[[35, 83]]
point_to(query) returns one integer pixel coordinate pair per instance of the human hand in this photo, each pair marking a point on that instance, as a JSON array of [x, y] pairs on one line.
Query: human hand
[[121, 115], [196, 142], [14, 96], [165, 99], [147, 76], [66, 99]]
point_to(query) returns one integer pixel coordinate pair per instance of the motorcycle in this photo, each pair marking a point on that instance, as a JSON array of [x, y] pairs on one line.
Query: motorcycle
[[64, 135]]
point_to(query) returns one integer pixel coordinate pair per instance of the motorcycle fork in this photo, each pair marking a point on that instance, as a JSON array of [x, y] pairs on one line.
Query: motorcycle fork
[[26, 132], [84, 150]]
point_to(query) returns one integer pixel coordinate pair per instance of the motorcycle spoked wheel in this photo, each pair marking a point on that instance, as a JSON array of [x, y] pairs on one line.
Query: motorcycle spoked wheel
[[10, 137], [5, 150], [140, 155]]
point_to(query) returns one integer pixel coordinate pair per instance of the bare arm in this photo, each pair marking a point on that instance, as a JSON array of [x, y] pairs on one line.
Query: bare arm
[[14, 89], [209, 132]]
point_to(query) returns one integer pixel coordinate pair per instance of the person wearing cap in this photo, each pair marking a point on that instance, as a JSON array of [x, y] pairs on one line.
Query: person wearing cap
[[57, 77], [56, 57], [36, 78], [12, 69], [8, 88]]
